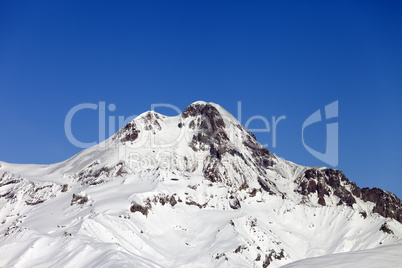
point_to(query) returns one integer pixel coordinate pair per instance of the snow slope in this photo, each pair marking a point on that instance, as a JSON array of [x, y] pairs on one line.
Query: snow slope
[[191, 190], [385, 256]]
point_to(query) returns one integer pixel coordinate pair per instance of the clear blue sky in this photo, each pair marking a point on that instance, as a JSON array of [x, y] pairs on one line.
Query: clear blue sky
[[279, 58]]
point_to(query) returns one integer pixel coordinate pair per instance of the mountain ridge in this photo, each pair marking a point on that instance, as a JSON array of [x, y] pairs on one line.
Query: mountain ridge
[[200, 164]]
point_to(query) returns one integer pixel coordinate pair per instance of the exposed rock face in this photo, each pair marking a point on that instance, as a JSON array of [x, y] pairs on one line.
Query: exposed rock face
[[326, 182], [386, 204], [151, 122], [148, 122], [14, 188], [385, 228], [79, 199], [234, 203], [211, 134], [139, 208], [265, 185], [95, 174], [212, 120], [129, 133], [259, 152], [172, 201], [271, 256], [209, 128]]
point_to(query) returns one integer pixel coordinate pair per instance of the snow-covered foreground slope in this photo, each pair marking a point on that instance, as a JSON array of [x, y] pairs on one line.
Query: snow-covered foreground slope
[[195, 190], [385, 256]]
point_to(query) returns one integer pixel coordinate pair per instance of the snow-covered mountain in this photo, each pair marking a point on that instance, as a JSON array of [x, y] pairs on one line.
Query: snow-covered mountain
[[194, 190]]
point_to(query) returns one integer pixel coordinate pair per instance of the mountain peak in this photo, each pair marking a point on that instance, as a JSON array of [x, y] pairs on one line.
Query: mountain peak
[[210, 120], [218, 194]]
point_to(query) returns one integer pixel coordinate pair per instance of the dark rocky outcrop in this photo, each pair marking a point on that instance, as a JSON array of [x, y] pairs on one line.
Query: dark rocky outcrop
[[209, 128], [211, 172], [321, 201], [193, 203], [260, 154], [334, 182], [386, 203], [172, 201], [8, 178], [64, 188], [265, 185], [210, 134], [234, 203], [135, 207], [363, 214], [79, 199], [385, 228], [150, 122], [9, 182], [93, 175], [129, 133], [326, 182], [212, 119], [34, 202], [271, 256]]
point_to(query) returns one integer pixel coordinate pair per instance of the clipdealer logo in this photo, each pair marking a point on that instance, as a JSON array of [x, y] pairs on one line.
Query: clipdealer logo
[[330, 156]]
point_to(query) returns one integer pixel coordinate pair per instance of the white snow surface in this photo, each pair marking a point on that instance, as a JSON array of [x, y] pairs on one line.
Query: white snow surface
[[81, 212], [385, 256]]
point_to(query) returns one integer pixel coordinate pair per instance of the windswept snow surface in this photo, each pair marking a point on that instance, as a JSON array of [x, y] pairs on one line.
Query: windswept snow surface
[[385, 256], [169, 192]]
